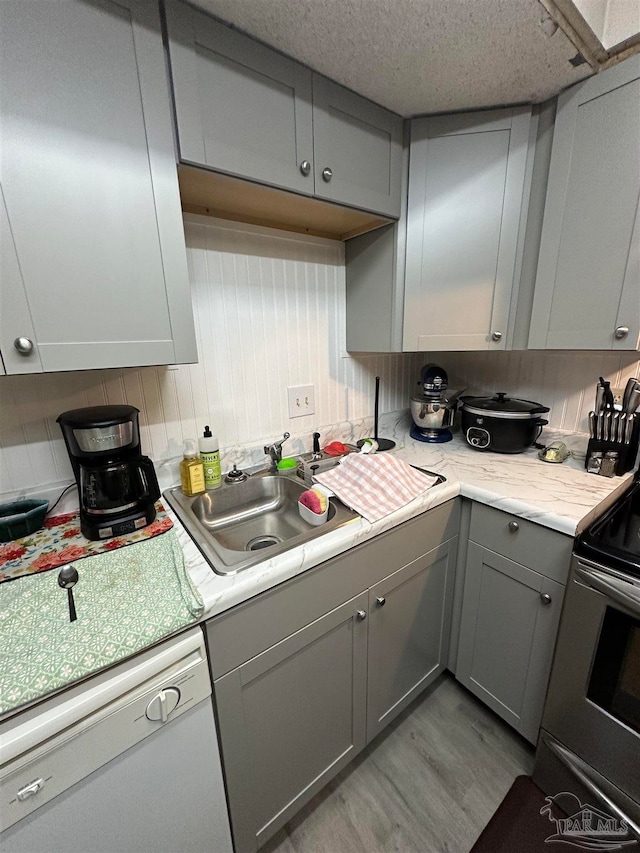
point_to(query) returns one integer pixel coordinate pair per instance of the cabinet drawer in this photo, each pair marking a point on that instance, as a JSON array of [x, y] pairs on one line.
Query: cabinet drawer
[[545, 551], [240, 634]]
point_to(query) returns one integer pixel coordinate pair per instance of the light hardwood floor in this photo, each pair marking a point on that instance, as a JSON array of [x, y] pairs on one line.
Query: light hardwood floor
[[428, 784]]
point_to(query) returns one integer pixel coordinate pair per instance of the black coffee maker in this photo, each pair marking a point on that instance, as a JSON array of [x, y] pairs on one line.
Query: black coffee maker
[[117, 486]]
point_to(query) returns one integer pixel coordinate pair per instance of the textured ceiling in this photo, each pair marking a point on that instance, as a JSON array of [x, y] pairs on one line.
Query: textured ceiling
[[417, 56]]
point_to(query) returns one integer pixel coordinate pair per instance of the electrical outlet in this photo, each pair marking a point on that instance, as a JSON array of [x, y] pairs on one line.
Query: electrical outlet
[[301, 400], [618, 394]]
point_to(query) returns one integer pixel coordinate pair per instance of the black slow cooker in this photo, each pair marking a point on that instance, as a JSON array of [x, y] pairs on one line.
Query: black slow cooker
[[500, 423]]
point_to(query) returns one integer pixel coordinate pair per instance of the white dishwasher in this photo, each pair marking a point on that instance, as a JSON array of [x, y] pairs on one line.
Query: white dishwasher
[[128, 761]]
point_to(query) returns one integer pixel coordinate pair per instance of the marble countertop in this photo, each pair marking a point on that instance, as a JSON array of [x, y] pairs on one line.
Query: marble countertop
[[562, 497]]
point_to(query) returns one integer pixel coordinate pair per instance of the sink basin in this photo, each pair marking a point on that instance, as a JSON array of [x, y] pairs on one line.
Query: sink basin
[[240, 524]]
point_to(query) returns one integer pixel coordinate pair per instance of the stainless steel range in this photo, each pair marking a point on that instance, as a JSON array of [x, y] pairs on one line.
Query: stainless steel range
[[590, 738]]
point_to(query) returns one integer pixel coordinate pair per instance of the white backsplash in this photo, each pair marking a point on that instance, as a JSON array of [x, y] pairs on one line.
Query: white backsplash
[[269, 311], [564, 381]]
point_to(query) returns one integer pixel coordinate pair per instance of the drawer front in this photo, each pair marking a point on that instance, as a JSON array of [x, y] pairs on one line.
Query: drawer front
[[247, 630], [545, 551]]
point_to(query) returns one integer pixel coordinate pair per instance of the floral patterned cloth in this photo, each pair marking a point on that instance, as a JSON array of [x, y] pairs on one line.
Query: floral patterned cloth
[[60, 542]]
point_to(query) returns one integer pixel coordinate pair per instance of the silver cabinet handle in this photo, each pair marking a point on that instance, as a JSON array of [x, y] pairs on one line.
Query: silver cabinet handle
[[23, 345], [621, 332], [545, 598], [381, 601], [361, 615], [514, 526], [327, 174], [497, 336], [305, 167]]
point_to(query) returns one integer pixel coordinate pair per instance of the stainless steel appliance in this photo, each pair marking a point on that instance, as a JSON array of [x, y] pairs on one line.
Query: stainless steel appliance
[[501, 423], [433, 407], [127, 761], [590, 738], [117, 486]]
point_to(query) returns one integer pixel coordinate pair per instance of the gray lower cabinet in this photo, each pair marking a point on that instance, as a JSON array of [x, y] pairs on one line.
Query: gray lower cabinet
[[587, 293], [249, 111], [307, 673], [510, 612], [291, 718], [409, 625], [93, 260]]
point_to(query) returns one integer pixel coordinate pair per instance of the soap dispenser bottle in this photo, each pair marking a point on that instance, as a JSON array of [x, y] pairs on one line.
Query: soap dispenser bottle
[[191, 470], [210, 458]]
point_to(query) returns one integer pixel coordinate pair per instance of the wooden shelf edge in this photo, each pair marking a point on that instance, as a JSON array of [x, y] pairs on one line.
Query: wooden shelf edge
[[225, 197]]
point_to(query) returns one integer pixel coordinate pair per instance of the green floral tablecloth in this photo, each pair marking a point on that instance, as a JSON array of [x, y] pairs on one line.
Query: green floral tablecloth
[[125, 599]]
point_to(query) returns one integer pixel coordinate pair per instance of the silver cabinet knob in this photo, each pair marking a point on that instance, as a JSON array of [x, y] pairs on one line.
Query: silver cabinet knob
[[305, 167], [497, 336], [545, 598], [381, 601], [23, 345], [514, 526], [361, 615], [327, 174], [621, 332]]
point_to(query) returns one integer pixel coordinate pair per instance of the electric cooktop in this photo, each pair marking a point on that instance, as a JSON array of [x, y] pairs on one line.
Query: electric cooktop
[[614, 539]]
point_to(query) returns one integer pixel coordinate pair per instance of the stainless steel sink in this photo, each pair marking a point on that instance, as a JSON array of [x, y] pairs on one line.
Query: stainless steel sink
[[240, 524]]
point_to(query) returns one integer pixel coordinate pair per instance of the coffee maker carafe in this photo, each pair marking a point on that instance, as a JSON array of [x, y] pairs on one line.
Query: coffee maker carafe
[[117, 486]]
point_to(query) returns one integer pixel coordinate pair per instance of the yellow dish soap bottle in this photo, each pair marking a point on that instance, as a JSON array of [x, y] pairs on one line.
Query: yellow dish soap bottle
[[191, 470], [210, 457]]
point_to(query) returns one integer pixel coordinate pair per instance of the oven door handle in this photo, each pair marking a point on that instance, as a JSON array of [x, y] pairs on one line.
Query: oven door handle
[[625, 594], [580, 770]]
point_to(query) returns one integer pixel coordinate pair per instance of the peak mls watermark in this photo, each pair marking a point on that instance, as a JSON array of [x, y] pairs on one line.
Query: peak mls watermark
[[585, 826]]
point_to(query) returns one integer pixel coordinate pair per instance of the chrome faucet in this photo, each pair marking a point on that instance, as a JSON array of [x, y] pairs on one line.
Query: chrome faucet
[[274, 452]]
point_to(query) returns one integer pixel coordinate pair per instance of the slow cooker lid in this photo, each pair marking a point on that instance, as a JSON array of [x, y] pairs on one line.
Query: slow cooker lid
[[501, 406]]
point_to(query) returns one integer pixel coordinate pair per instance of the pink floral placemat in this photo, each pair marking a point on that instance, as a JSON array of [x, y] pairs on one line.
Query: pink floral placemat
[[60, 542]]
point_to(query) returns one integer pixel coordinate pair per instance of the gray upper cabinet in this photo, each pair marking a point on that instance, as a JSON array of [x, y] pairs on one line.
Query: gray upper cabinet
[[357, 149], [588, 282], [469, 181], [240, 107], [94, 267], [249, 111]]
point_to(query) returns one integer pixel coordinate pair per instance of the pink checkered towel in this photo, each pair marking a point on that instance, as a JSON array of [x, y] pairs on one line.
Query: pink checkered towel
[[375, 485]]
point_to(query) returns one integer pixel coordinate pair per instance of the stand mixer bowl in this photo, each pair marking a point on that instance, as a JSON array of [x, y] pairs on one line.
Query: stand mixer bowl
[[433, 410], [432, 414], [432, 418]]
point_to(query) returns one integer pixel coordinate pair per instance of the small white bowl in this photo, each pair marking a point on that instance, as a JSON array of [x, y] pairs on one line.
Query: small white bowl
[[312, 517]]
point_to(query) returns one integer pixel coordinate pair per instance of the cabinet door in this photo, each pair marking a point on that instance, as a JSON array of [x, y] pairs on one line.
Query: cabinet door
[[290, 719], [409, 624], [468, 196], [587, 292], [90, 188], [240, 107], [15, 317], [508, 628], [357, 149]]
